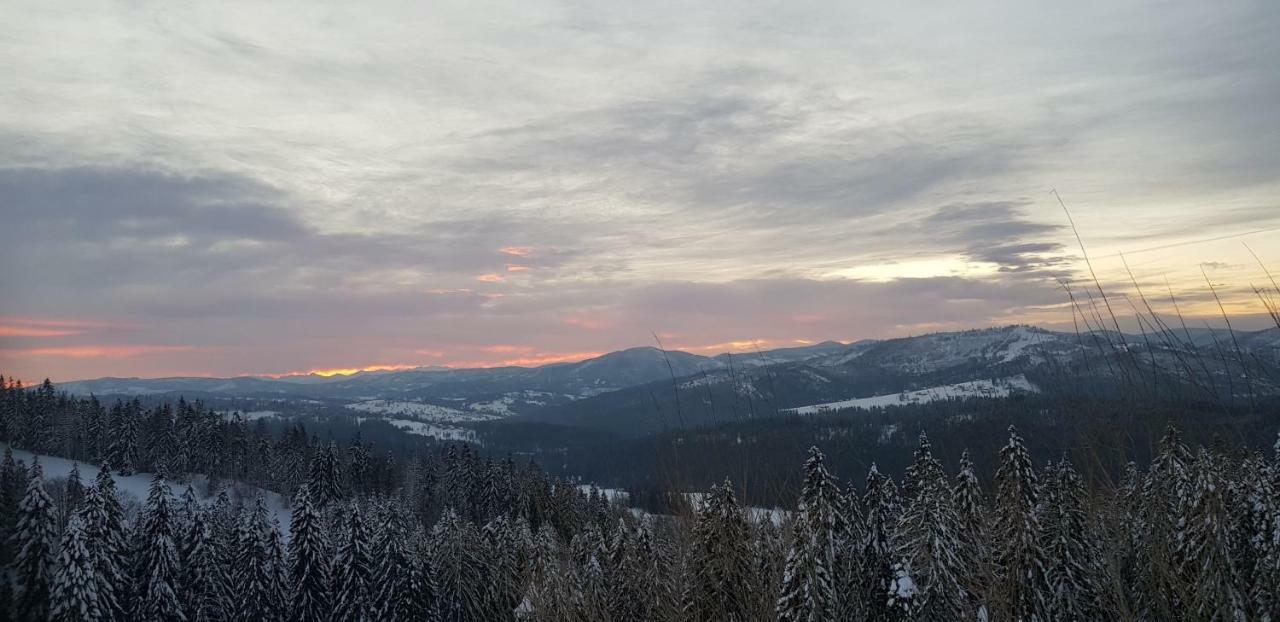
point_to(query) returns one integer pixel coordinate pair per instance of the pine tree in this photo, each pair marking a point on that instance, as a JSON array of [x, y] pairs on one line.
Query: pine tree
[[808, 587], [353, 572], [35, 538], [308, 563], [1020, 559], [75, 587], [1267, 537], [880, 570], [457, 560], [542, 593], [251, 576], [203, 582], [505, 565], [73, 495], [971, 528], [398, 580], [1073, 565], [104, 530], [928, 544], [158, 562], [1209, 536], [324, 479], [13, 483], [720, 562], [1160, 555], [278, 573]]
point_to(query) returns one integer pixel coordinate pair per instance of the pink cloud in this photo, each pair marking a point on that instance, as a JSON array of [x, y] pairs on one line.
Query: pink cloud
[[93, 352]]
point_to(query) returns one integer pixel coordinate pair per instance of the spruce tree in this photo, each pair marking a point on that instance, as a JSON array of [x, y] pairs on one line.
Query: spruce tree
[[203, 583], [1020, 558], [457, 554], [971, 528], [720, 563], [13, 484], [73, 495], [278, 573], [808, 588], [353, 572], [308, 563], [928, 544], [75, 586], [1213, 569], [879, 574], [1073, 565], [105, 533], [158, 561], [35, 538], [251, 571]]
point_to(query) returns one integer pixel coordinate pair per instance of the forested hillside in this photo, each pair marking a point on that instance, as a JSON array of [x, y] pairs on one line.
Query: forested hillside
[[1192, 534]]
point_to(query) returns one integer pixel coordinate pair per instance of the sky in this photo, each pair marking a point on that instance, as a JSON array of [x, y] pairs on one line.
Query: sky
[[267, 188]]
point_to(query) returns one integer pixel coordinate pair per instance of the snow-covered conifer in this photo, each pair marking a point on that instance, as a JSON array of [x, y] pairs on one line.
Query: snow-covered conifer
[[35, 537], [1020, 558], [808, 587], [928, 545], [75, 587], [157, 564], [309, 569], [353, 573]]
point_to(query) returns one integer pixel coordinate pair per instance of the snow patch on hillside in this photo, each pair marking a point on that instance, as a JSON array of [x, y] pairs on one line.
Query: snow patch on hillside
[[977, 388], [136, 487], [422, 428], [1024, 337], [502, 406], [419, 410]]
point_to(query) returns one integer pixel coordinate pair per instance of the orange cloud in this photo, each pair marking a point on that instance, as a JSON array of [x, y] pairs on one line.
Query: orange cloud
[[93, 352], [515, 267], [516, 251], [492, 277], [31, 331], [546, 359], [12, 326], [506, 349]]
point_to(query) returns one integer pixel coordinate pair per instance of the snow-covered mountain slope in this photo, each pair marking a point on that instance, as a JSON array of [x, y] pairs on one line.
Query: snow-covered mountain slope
[[938, 351], [961, 390], [136, 487]]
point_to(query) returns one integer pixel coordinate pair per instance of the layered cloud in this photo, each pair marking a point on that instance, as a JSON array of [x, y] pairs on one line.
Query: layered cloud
[[254, 188]]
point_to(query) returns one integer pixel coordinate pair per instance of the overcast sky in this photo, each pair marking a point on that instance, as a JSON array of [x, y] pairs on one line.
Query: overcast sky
[[217, 188]]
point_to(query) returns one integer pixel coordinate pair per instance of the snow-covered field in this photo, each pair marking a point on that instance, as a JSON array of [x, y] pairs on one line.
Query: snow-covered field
[[977, 388], [423, 428], [502, 406], [136, 487], [420, 410]]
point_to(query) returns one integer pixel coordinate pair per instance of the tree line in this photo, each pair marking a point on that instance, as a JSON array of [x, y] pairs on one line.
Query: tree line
[[1193, 536]]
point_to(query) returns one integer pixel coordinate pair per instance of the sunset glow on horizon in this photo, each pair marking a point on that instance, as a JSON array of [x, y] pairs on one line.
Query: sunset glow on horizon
[[182, 193]]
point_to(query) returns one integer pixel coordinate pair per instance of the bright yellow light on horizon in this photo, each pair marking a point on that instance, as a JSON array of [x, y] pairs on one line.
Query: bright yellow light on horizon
[[916, 269], [344, 371]]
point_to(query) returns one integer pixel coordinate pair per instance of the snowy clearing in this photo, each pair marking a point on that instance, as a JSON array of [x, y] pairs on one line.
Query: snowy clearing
[[419, 410], [136, 487], [976, 388], [422, 428]]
